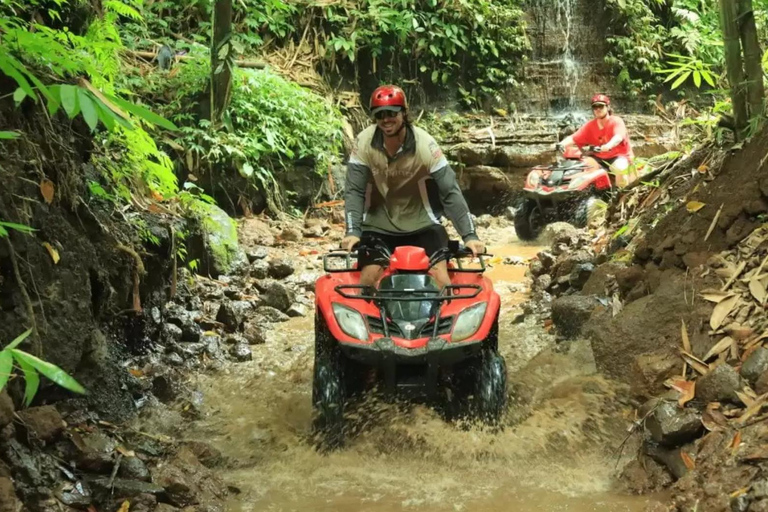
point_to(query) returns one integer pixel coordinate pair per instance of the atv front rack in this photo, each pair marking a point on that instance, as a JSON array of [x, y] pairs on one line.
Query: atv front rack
[[350, 258], [382, 296]]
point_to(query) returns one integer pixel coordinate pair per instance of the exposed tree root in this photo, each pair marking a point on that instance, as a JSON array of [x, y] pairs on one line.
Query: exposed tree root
[[35, 338], [138, 271]]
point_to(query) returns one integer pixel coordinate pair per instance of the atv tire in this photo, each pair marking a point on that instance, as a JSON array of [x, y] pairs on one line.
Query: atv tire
[[328, 395], [529, 220], [584, 211], [490, 399]]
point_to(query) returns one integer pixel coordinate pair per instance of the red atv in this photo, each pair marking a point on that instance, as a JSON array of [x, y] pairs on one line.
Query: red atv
[[406, 337], [564, 191]]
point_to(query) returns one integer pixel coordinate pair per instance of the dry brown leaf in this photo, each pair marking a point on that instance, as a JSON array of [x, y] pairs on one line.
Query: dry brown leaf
[[736, 442], [757, 290], [47, 190], [739, 332], [753, 409], [684, 334], [53, 252], [686, 388], [715, 296], [125, 452], [694, 206], [736, 273], [714, 420], [696, 363], [745, 398], [687, 460], [739, 492], [714, 222], [721, 312], [721, 346], [735, 350]]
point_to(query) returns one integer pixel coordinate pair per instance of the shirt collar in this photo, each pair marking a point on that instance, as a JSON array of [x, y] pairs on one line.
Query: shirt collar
[[409, 146]]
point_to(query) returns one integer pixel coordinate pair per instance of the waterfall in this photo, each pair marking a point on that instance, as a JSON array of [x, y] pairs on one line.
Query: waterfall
[[571, 66]]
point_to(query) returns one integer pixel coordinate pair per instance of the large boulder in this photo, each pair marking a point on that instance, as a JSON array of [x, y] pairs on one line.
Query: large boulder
[[571, 312], [755, 365], [719, 385], [44, 422], [484, 186], [187, 482], [672, 426], [648, 325], [222, 250]]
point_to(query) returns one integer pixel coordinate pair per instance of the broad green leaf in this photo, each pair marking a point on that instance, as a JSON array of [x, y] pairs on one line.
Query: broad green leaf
[[69, 100], [9, 135], [88, 108], [21, 337], [19, 95], [51, 371], [708, 77], [3, 232], [6, 367], [6, 66], [434, 76], [31, 379], [142, 112], [106, 115], [697, 79], [53, 106], [681, 79], [246, 171]]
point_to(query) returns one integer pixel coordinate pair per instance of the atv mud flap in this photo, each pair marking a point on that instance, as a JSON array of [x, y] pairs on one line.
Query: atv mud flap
[[390, 358]]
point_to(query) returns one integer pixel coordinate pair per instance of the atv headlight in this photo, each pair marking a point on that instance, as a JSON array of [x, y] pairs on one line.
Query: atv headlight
[[350, 321], [534, 179], [469, 321]]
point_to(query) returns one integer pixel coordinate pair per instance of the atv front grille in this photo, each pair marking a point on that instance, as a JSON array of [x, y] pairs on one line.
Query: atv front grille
[[376, 326]]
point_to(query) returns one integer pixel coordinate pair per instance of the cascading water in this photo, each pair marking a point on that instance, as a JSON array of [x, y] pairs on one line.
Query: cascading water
[[571, 66]]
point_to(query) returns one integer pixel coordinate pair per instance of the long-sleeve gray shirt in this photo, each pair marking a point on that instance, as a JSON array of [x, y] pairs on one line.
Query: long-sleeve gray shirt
[[405, 193]]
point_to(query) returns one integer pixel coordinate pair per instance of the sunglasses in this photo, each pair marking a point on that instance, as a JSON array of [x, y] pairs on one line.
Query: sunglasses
[[385, 114], [598, 107]]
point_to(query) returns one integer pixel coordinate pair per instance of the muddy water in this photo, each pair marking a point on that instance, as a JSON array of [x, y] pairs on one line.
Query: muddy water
[[557, 452]]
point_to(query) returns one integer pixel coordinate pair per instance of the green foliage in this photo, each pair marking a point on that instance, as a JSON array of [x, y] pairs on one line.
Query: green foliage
[[270, 123], [32, 368], [479, 45], [657, 41], [21, 228]]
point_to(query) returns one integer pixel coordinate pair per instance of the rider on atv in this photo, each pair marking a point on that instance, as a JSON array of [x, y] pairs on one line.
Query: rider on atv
[[609, 133], [398, 185]]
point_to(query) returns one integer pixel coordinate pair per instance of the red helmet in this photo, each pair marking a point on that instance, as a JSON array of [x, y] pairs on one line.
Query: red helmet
[[387, 96], [601, 98]]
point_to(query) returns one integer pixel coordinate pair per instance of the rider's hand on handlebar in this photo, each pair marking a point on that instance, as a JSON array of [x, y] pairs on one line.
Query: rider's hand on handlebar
[[476, 246], [559, 148], [349, 242]]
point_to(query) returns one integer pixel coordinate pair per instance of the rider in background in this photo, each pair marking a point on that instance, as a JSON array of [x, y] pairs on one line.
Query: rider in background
[[609, 133], [398, 186]]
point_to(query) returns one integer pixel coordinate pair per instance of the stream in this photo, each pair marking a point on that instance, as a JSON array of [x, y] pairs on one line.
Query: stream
[[558, 450]]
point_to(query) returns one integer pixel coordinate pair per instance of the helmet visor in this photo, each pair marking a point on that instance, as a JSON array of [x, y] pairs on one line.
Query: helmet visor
[[391, 108]]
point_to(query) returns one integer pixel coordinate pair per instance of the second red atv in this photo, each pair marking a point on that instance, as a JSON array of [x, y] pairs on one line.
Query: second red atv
[[565, 191], [406, 336]]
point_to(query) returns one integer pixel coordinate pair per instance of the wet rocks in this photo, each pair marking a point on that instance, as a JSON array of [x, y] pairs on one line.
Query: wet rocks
[[94, 452], [223, 251], [74, 495], [241, 351], [255, 333], [105, 488], [270, 314], [233, 313], [278, 295], [280, 269], [755, 365], [44, 423], [761, 386], [570, 313], [559, 233], [672, 459], [296, 310], [207, 455], [291, 234], [670, 425], [133, 468], [720, 384], [256, 254], [186, 481]]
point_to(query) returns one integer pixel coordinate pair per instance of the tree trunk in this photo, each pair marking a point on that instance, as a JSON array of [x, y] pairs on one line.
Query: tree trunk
[[222, 59], [733, 63], [752, 58]]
